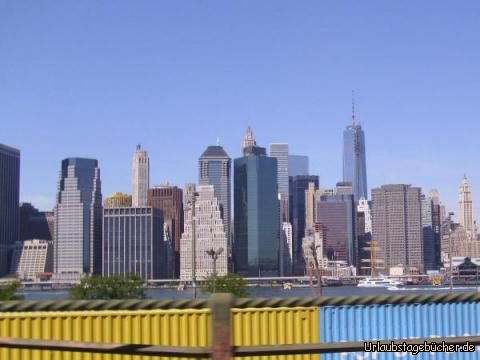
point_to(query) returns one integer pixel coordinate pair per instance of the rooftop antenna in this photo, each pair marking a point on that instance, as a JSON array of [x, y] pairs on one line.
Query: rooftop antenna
[[353, 107], [218, 141], [139, 146]]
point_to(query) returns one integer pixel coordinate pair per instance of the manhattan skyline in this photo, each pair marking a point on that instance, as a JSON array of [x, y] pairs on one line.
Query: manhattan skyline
[[288, 72]]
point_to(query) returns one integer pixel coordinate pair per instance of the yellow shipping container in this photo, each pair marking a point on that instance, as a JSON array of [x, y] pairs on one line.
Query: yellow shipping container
[[265, 326]]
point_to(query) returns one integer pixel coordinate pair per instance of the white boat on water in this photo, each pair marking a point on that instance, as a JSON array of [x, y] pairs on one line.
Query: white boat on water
[[379, 282]]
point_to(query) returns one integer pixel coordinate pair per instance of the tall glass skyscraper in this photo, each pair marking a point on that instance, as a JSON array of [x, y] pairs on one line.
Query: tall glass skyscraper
[[215, 169], [297, 165], [354, 161], [298, 186], [78, 213], [256, 212], [280, 152], [9, 203]]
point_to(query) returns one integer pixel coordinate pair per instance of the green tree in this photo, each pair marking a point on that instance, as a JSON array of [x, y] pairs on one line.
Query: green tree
[[8, 291], [107, 288], [230, 283]]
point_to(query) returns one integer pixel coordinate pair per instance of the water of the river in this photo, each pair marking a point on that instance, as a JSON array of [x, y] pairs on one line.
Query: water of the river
[[269, 292]]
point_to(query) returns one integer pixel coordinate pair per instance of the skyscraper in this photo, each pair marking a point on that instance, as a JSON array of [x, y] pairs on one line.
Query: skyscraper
[[337, 214], [32, 258], [354, 161], [9, 203], [297, 165], [465, 208], [188, 193], [428, 234], [248, 139], [364, 237], [35, 224], [140, 177], [118, 199], [298, 187], [437, 219], [286, 249], [280, 152], [215, 169], [312, 195], [256, 211], [78, 224], [209, 235], [397, 226], [169, 199], [133, 242]]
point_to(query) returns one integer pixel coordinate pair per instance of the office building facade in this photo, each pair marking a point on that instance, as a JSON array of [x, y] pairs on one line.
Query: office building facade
[[78, 219], [429, 246], [133, 242], [465, 208], [9, 204], [257, 226], [280, 152], [337, 215], [118, 199], [354, 160], [169, 199], [298, 165], [140, 177], [210, 235], [36, 224], [215, 169], [397, 226], [298, 192], [32, 259]]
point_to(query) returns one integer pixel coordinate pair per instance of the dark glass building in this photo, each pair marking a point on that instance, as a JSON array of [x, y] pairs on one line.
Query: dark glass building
[[35, 224], [297, 187], [297, 165], [429, 245], [337, 214], [169, 199], [133, 242], [256, 224], [78, 219], [354, 161], [9, 204], [214, 168]]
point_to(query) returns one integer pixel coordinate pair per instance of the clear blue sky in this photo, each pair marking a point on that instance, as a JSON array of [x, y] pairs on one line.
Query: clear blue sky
[[94, 78]]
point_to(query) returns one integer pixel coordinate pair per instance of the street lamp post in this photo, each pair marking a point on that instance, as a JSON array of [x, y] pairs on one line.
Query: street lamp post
[[214, 255], [194, 247], [313, 248], [450, 251]]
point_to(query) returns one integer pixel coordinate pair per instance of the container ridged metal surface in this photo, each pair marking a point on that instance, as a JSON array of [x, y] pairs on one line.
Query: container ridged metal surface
[[382, 322], [275, 326], [158, 327]]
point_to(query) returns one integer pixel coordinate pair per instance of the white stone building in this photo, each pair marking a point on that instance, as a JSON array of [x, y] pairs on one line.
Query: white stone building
[[32, 258], [140, 177], [465, 206], [209, 234], [364, 207]]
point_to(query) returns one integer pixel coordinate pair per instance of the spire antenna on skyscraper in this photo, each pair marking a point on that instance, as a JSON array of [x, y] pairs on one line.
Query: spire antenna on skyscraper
[[248, 139], [353, 107]]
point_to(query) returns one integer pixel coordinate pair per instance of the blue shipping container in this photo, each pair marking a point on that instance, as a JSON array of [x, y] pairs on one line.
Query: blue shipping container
[[383, 322]]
